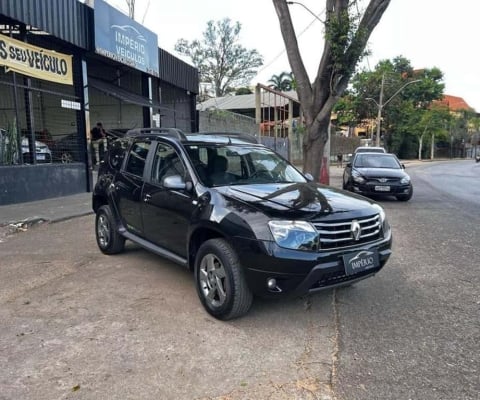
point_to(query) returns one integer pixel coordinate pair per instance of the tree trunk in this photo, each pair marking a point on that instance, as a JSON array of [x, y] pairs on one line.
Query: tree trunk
[[337, 65], [313, 148], [420, 147], [432, 148]]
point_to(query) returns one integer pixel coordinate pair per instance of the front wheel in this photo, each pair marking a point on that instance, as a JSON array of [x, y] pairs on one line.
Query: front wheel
[[220, 281], [109, 240]]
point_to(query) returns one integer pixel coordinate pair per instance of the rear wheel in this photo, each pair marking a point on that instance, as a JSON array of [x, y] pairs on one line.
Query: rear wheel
[[108, 239], [220, 281], [66, 157]]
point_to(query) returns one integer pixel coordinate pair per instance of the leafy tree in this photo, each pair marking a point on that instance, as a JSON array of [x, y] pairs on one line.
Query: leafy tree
[[406, 104], [346, 36], [220, 59], [433, 121], [243, 90], [283, 82]]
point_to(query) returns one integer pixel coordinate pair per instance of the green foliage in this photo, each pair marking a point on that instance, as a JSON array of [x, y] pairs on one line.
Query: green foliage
[[404, 105], [243, 90], [282, 82], [220, 59], [9, 145], [346, 38]]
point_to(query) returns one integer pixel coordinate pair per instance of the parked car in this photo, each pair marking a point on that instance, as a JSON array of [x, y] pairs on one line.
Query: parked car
[[240, 216], [67, 149], [377, 173], [369, 149], [42, 152]]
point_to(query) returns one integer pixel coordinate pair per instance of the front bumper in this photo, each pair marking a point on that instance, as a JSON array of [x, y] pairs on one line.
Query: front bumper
[[298, 272], [376, 189]]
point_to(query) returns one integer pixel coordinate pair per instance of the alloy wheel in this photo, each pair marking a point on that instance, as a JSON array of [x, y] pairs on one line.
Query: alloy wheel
[[212, 280], [103, 230]]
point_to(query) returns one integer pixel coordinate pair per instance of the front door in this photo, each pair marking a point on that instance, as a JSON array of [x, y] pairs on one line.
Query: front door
[[166, 212]]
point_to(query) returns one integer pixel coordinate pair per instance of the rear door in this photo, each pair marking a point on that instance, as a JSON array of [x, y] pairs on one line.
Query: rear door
[[129, 186]]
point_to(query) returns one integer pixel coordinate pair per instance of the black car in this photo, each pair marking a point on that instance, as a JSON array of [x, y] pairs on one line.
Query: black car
[[377, 174], [70, 148], [236, 213]]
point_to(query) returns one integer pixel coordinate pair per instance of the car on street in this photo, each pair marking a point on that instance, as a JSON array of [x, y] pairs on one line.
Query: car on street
[[377, 174], [241, 217], [370, 149]]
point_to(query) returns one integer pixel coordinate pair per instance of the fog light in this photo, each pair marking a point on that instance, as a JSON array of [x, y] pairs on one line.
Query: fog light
[[272, 283]]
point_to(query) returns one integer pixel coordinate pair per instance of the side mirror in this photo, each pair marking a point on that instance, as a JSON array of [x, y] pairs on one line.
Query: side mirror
[[116, 159], [403, 166], [349, 165], [309, 177], [175, 182]]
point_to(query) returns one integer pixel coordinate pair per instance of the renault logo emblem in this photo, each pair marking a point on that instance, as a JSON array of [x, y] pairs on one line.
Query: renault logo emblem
[[356, 230]]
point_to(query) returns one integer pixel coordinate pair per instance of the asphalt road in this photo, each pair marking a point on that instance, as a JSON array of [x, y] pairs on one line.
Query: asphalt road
[[413, 332], [76, 324]]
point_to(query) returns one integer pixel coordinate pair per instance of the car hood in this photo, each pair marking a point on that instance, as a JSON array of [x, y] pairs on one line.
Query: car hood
[[381, 172], [296, 199]]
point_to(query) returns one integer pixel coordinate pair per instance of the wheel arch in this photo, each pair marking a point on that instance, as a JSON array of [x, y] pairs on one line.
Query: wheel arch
[[199, 236]]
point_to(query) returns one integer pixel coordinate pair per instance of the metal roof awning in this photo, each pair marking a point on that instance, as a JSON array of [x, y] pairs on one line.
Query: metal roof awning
[[125, 95]]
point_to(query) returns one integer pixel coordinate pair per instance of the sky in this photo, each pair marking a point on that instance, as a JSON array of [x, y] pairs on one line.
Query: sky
[[429, 33]]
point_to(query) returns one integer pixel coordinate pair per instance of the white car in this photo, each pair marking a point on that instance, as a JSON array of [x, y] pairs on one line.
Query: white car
[[42, 153], [369, 149]]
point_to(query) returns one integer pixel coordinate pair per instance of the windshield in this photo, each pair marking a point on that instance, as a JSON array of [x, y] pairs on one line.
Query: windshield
[[376, 161], [218, 165]]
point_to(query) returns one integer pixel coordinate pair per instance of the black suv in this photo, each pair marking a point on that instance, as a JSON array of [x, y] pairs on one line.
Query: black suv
[[236, 213]]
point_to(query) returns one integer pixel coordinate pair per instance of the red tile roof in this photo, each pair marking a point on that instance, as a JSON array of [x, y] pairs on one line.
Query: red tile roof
[[454, 103]]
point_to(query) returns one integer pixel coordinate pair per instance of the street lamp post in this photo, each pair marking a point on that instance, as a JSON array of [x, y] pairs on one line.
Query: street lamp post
[[306, 8], [380, 105]]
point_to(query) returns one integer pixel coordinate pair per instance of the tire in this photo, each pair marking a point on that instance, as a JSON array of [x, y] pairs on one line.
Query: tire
[[405, 197], [109, 241], [220, 282], [66, 157]]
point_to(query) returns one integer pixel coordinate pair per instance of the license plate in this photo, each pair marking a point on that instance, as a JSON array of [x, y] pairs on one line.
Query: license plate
[[382, 188], [40, 156], [360, 261]]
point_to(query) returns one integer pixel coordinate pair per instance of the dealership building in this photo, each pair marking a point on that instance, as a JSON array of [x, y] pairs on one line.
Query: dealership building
[[65, 66]]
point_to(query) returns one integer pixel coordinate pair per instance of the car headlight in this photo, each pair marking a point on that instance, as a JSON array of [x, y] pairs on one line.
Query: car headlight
[[383, 219], [405, 180], [357, 177], [297, 235]]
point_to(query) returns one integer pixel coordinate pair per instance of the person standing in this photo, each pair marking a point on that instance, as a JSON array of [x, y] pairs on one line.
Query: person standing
[[98, 136]]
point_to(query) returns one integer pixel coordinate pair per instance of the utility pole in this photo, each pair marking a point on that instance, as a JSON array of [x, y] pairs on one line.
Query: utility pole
[[379, 114], [380, 105]]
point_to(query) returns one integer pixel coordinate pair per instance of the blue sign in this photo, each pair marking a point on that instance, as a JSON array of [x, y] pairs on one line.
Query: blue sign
[[122, 39]]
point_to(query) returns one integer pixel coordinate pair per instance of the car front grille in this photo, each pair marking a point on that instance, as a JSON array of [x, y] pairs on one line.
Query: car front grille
[[383, 180], [338, 234]]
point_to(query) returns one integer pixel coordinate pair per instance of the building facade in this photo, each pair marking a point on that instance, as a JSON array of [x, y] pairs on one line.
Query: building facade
[[65, 67]]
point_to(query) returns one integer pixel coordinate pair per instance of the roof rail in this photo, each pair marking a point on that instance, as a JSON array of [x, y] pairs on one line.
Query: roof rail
[[173, 132], [247, 137]]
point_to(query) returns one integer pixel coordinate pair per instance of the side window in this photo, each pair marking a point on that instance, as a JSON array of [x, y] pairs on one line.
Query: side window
[[136, 158], [167, 163]]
